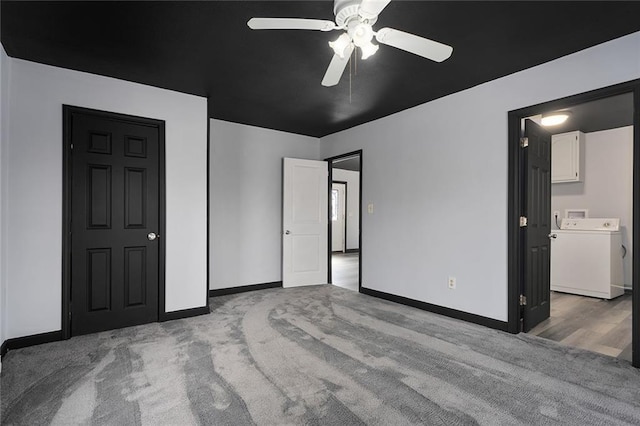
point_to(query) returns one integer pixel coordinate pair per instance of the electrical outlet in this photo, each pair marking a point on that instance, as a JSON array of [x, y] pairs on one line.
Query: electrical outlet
[[556, 214], [452, 282], [370, 208]]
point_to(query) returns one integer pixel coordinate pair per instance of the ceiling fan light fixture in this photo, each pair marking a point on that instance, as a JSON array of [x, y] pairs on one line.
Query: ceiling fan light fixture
[[555, 118], [368, 50], [362, 34], [340, 44]]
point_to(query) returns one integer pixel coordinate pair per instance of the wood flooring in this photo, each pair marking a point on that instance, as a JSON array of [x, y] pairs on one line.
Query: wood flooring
[[344, 270], [598, 325]]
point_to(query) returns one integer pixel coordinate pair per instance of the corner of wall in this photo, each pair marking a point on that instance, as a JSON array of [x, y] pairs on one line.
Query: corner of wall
[[246, 170], [2, 61], [4, 112]]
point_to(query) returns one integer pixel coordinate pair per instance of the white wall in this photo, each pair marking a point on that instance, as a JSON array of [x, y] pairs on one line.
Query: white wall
[[246, 201], [34, 198], [4, 115], [353, 199], [607, 187], [437, 176]]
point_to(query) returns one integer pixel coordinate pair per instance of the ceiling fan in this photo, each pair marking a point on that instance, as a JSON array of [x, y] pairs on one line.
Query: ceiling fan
[[356, 18]]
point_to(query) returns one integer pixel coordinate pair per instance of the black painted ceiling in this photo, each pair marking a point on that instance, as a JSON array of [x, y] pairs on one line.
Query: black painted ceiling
[[272, 78]]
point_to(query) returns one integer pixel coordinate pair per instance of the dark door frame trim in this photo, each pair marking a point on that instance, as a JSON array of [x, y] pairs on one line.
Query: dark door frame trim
[[341, 182], [330, 179], [515, 176], [208, 293], [67, 114]]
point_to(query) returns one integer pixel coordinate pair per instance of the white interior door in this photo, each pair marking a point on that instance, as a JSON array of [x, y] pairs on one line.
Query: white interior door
[[304, 222], [338, 200]]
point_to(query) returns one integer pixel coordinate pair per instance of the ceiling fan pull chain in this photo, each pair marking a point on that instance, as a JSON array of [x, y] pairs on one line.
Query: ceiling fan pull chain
[[350, 75]]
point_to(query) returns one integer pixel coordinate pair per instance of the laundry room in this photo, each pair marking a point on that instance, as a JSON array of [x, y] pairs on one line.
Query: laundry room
[[591, 225], [592, 172]]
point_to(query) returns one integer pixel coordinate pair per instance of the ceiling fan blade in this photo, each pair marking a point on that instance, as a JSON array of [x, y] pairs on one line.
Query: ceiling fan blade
[[290, 24], [371, 8], [336, 67], [412, 43]]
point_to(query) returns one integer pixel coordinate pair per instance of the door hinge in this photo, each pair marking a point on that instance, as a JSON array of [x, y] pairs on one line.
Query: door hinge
[[524, 142], [71, 146], [523, 300], [523, 221]]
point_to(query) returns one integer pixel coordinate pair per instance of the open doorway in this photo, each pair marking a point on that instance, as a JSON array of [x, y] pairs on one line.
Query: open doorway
[[345, 174], [571, 269], [591, 227]]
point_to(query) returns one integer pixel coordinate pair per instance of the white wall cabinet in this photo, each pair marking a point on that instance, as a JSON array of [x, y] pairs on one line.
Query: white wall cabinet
[[567, 157]]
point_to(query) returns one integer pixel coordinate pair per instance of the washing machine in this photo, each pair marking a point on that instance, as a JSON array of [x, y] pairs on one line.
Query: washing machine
[[586, 257]]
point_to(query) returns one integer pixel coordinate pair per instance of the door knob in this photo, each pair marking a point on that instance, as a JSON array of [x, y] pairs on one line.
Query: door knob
[[287, 232], [554, 236], [152, 236]]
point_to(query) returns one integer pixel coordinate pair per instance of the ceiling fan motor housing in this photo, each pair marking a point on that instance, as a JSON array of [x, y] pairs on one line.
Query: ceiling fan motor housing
[[347, 10]]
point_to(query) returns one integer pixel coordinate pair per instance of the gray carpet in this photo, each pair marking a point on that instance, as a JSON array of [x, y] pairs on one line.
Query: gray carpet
[[314, 355]]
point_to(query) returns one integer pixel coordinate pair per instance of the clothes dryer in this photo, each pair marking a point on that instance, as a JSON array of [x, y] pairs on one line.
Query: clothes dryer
[[586, 257]]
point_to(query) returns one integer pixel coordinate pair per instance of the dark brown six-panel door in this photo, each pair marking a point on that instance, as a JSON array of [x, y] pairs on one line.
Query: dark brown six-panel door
[[114, 220], [538, 211]]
